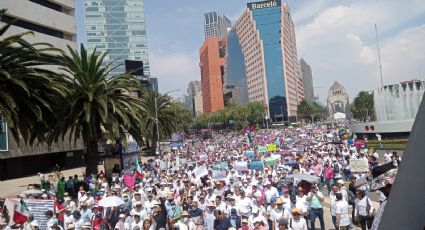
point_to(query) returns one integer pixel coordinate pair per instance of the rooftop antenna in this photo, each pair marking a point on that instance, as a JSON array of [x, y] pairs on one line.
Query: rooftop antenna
[[379, 55]]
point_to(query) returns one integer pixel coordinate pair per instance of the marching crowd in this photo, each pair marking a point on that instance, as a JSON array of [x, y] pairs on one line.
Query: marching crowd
[[310, 174]]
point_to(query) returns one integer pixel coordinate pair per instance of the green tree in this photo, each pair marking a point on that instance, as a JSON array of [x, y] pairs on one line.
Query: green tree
[[362, 105], [305, 108], [27, 91], [153, 105], [96, 103], [183, 116]]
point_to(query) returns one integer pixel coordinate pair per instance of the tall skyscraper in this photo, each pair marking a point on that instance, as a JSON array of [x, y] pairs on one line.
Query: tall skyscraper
[[216, 25], [193, 89], [119, 27], [307, 77], [234, 85], [52, 22], [211, 63], [266, 35]]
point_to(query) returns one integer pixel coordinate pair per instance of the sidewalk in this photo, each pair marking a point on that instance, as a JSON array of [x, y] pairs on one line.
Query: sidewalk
[[14, 187]]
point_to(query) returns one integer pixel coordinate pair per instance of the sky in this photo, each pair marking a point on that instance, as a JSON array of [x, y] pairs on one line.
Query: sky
[[337, 39]]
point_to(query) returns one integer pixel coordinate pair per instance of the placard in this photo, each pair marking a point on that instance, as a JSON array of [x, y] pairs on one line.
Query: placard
[[218, 175], [250, 153], [241, 166], [36, 207], [270, 161], [200, 171], [359, 165], [256, 165], [271, 147], [262, 149]]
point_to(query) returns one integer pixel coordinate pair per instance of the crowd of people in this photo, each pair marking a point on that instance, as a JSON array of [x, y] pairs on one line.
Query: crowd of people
[[204, 185]]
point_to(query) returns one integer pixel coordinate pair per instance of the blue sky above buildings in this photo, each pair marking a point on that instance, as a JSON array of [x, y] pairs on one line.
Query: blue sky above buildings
[[337, 38]]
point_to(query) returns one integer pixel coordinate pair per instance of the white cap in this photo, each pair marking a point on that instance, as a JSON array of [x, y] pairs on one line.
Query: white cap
[[255, 210]]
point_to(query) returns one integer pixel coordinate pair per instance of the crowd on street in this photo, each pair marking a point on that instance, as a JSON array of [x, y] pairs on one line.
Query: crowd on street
[[272, 179]]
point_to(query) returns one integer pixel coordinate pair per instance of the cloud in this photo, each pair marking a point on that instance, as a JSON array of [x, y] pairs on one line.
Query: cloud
[[339, 44], [174, 70]]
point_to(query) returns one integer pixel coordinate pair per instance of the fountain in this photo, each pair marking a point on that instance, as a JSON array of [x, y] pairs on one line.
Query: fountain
[[395, 107]]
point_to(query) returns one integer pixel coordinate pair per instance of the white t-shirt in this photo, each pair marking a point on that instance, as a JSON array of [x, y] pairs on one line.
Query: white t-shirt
[[342, 208], [269, 193], [244, 206], [276, 215], [300, 224]]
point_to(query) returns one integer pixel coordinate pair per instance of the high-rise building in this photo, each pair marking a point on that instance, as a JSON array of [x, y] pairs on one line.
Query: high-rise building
[[234, 85], [52, 22], [198, 104], [266, 35], [307, 77], [216, 25], [117, 26], [211, 55], [193, 88]]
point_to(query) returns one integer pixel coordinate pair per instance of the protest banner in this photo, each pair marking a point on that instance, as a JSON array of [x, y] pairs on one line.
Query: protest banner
[[256, 165], [201, 171], [241, 166], [359, 165], [218, 175], [36, 207]]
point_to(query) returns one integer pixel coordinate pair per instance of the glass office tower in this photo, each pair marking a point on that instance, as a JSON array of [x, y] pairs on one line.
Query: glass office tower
[[117, 26]]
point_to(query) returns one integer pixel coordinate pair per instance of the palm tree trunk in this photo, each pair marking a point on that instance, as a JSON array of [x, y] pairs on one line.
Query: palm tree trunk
[[92, 156], [154, 141]]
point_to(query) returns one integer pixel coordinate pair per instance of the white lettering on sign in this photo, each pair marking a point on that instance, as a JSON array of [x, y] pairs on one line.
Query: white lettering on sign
[[262, 5]]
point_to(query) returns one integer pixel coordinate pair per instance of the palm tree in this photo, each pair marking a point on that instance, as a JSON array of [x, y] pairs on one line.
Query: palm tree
[[166, 116], [96, 104], [27, 92]]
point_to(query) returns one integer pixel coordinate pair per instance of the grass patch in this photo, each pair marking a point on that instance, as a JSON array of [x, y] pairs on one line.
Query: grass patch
[[387, 146]]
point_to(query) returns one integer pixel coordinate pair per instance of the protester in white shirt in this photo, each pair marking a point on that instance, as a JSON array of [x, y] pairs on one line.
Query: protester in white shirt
[[342, 210], [296, 222]]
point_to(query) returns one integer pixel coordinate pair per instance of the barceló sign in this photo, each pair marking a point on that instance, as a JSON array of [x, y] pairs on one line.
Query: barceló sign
[[264, 4]]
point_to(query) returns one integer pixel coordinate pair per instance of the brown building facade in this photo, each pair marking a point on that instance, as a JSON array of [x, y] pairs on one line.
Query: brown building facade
[[211, 64]]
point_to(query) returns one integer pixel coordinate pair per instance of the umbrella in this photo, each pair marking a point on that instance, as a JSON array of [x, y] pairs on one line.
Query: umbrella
[[306, 177], [111, 201], [32, 191]]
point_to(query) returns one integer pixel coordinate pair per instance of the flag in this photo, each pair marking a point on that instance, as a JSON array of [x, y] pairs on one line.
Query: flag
[[20, 215], [138, 173]]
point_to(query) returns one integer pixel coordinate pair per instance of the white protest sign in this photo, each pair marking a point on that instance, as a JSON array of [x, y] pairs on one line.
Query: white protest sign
[[241, 166], [359, 165], [36, 207], [218, 175], [201, 171]]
